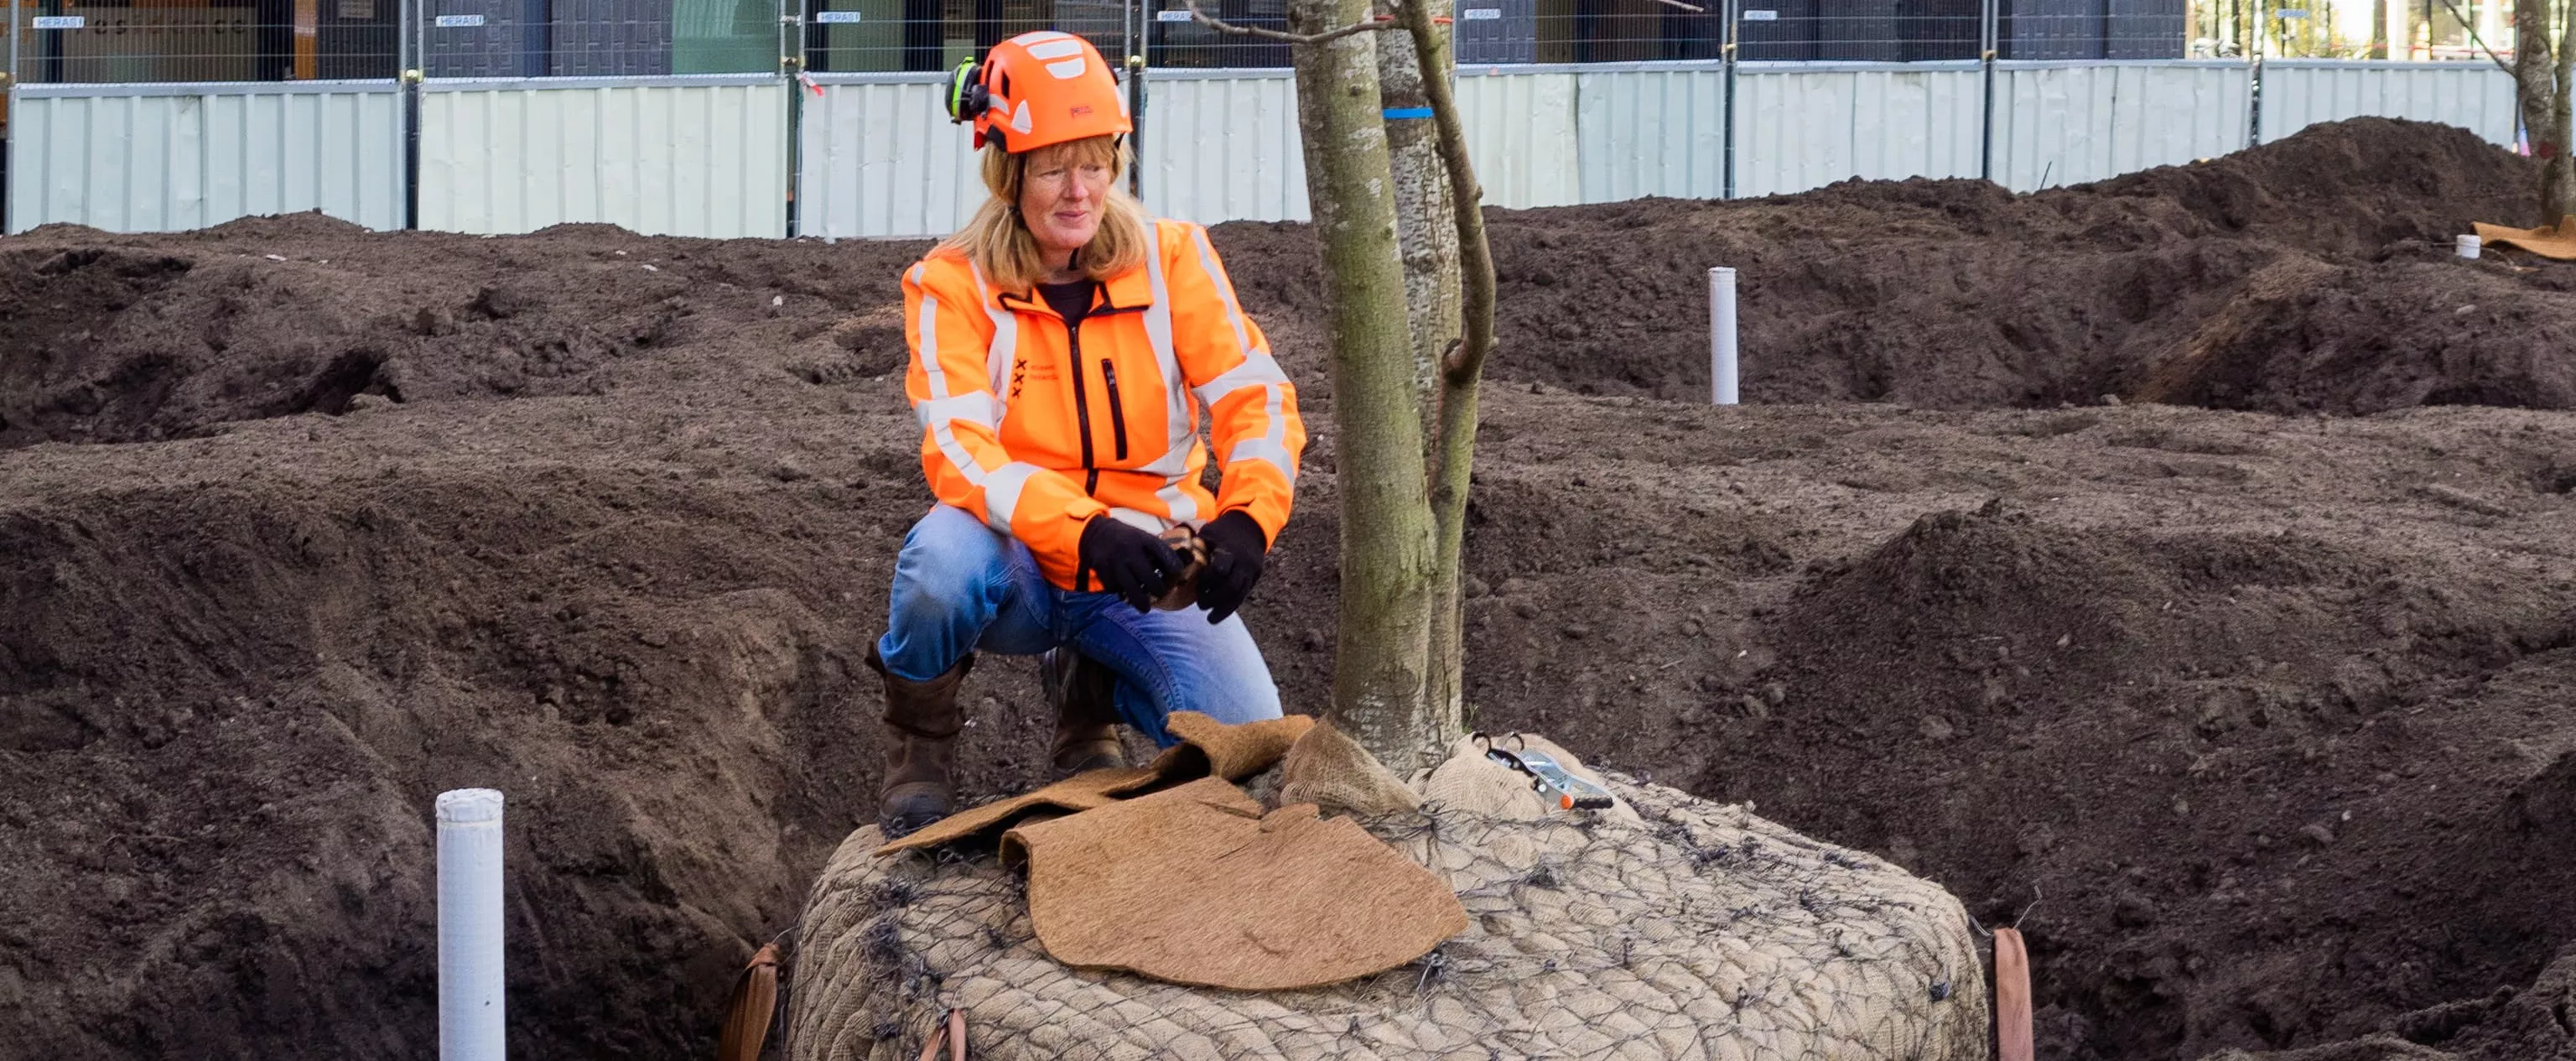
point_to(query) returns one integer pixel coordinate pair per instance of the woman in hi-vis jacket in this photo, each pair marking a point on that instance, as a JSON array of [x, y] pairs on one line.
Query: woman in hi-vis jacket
[[1066, 350]]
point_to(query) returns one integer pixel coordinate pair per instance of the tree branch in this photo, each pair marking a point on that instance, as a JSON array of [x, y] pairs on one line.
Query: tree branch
[[2473, 38], [1222, 26], [1475, 256]]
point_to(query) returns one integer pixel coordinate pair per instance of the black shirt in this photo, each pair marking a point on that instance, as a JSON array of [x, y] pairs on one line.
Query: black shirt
[[1071, 301]]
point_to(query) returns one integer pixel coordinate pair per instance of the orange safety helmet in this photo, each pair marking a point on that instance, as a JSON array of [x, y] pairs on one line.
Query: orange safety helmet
[[1047, 87]]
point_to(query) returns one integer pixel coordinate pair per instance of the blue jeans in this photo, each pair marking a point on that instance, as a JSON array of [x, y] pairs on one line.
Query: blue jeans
[[960, 586]]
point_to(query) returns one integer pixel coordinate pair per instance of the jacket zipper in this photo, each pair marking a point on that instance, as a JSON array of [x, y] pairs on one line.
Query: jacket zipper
[[1117, 411], [1082, 410]]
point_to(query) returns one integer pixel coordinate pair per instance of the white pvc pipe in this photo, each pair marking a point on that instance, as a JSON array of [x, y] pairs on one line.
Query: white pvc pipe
[[470, 1003], [1721, 336]]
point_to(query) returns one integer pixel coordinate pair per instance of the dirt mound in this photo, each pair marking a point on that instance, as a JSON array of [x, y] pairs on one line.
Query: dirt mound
[[2261, 699], [1956, 294], [2306, 336], [2348, 189], [119, 338]]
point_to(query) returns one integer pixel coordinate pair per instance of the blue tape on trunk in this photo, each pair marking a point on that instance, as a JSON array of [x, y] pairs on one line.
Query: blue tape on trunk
[[1393, 113]]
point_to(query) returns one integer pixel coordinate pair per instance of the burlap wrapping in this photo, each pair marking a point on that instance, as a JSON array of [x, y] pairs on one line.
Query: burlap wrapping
[[1195, 885], [1330, 770], [1207, 748], [1690, 930], [2547, 241]]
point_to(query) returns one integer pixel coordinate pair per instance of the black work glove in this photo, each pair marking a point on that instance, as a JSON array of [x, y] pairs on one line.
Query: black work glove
[[1236, 547], [1131, 563]]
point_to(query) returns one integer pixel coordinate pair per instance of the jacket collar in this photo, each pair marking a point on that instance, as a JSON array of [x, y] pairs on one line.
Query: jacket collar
[[1125, 292]]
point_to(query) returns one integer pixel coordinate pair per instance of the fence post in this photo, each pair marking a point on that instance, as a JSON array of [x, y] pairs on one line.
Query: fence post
[[412, 52], [9, 137], [2254, 100], [1731, 11], [1988, 34], [792, 63], [1136, 118]]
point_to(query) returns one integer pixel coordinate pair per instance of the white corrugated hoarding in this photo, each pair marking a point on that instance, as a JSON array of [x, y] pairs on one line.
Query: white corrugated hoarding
[[1521, 133], [880, 158], [674, 156], [1806, 125], [157, 158], [707, 156], [2068, 123], [2298, 93], [1223, 146], [1651, 130]]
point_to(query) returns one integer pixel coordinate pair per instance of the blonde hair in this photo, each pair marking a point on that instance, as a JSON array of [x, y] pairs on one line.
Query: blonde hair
[[999, 243]]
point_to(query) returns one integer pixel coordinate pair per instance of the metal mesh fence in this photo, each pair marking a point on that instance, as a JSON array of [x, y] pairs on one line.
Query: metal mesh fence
[[294, 40], [599, 38], [121, 41], [871, 36]]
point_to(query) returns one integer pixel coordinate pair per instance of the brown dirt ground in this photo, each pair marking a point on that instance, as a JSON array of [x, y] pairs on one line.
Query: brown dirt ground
[[2257, 720]]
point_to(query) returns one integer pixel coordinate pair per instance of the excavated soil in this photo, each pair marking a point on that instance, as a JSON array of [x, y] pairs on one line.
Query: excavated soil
[[2245, 692]]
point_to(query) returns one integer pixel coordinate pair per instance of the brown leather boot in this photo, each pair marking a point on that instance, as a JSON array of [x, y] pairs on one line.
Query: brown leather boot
[[1086, 714], [922, 719]]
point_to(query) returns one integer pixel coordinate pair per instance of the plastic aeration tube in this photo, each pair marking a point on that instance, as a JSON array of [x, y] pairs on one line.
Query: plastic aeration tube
[[470, 1003], [1721, 336]]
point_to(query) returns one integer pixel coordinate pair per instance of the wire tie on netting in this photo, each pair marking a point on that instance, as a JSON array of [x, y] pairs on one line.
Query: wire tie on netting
[[1433, 964], [2035, 897]]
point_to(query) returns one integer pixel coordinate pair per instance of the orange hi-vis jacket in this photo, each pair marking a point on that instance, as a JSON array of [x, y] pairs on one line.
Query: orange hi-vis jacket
[[1036, 428]]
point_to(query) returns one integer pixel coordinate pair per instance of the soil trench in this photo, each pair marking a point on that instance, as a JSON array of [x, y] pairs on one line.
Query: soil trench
[[2177, 566]]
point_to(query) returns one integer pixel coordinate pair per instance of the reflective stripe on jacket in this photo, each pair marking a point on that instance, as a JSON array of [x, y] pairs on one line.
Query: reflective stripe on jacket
[[1035, 428]]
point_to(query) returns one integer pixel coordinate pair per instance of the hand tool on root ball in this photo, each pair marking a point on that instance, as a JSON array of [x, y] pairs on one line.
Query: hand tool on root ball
[[1553, 782]]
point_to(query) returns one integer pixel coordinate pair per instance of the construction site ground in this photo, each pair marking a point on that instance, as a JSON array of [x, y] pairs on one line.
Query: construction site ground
[[2182, 567]]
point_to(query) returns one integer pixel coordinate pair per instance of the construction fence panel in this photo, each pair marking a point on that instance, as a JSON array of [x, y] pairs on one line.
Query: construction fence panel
[[1651, 130], [669, 156], [878, 157], [1521, 133], [168, 157], [2061, 123], [1805, 125], [1222, 145], [2298, 93]]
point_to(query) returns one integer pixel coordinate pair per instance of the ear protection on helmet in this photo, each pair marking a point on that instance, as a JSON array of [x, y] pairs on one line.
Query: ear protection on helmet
[[968, 99]]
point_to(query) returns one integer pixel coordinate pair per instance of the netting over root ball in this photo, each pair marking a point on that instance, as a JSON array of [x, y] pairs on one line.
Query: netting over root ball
[[1688, 930]]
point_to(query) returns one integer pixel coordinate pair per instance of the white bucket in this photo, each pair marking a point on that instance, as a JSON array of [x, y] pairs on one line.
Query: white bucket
[[2468, 246]]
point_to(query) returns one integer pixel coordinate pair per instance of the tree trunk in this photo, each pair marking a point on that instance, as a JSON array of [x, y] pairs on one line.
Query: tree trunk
[[1427, 227], [2536, 92], [2558, 174], [1426, 232], [2379, 29], [1381, 653], [1455, 445]]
